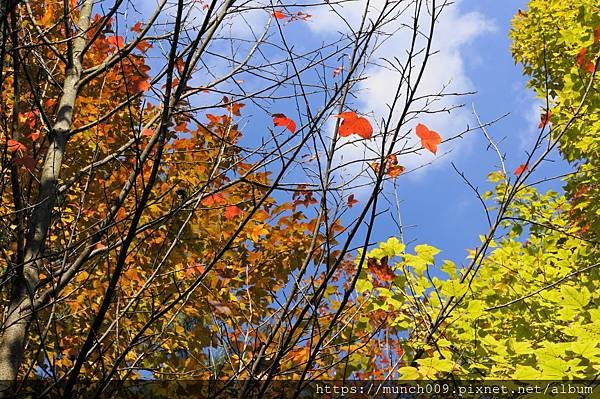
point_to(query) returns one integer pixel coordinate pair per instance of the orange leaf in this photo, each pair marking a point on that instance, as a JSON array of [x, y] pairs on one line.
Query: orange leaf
[[214, 199], [182, 127], [381, 269], [520, 169], [137, 27], [232, 211], [282, 120], [14, 145], [354, 124], [597, 34], [584, 62], [194, 268], [214, 118], [180, 65], [147, 132], [234, 108], [429, 138], [116, 41], [395, 171], [48, 15], [352, 201], [143, 46], [279, 15], [143, 85]]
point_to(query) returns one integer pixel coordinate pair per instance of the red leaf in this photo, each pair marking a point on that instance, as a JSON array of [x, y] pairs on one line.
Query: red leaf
[[14, 145], [279, 15], [429, 138], [282, 120], [352, 201], [381, 269], [232, 211], [354, 124], [520, 169], [545, 119], [34, 136], [147, 132], [116, 41]]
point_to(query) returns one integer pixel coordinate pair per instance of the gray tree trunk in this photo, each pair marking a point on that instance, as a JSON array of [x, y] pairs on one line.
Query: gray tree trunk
[[24, 278]]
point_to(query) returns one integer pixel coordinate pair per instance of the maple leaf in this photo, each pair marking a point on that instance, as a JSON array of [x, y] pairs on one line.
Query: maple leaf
[[179, 65], [137, 27], [354, 124], [520, 169], [143, 85], [194, 268], [257, 231], [282, 120], [583, 61], [429, 138], [234, 108], [279, 14], [147, 132], [34, 136], [116, 41], [395, 171], [232, 211], [352, 201], [143, 46], [214, 199], [214, 118], [544, 119], [182, 127], [381, 269], [14, 146]]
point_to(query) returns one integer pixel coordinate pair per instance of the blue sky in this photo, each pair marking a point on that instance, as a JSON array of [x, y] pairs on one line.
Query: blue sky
[[474, 55], [443, 210]]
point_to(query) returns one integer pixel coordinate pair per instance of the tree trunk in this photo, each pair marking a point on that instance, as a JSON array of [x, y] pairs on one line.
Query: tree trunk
[[24, 278]]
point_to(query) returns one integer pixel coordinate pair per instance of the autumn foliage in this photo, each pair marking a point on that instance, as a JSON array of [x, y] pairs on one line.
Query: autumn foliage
[[183, 200]]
